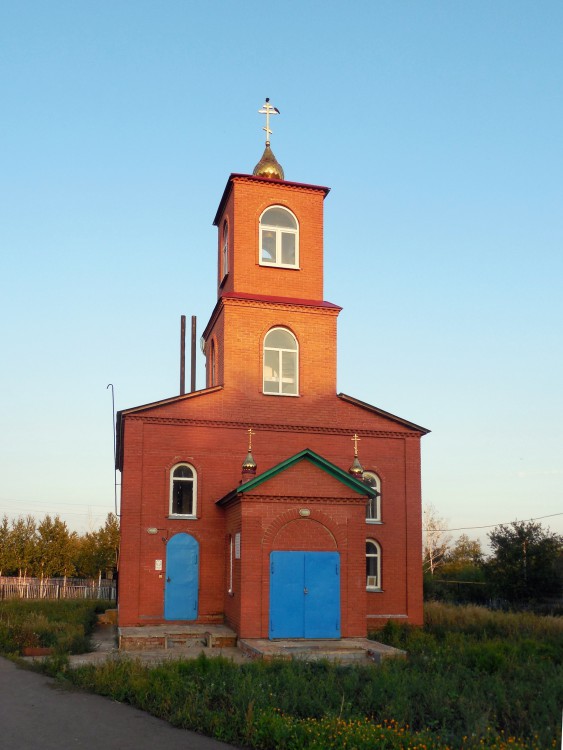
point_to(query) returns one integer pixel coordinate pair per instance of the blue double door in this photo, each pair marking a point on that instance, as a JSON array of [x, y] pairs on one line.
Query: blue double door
[[182, 578], [304, 595]]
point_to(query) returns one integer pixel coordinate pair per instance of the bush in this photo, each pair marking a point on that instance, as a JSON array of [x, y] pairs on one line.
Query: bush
[[64, 626]]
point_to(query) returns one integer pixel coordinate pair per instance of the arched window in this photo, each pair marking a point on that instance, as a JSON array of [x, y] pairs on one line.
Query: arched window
[[373, 565], [183, 491], [373, 510], [279, 238], [213, 373], [225, 251], [280, 363]]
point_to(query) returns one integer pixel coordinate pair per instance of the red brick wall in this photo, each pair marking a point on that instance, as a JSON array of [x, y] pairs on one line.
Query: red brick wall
[[216, 450], [247, 200]]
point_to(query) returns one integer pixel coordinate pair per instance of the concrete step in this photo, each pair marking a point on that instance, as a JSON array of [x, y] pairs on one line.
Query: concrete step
[[156, 637], [342, 651]]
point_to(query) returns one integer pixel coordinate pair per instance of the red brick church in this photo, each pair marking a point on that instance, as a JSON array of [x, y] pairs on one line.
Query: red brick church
[[267, 500]]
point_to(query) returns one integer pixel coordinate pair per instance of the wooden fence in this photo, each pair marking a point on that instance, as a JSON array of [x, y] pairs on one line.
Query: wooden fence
[[56, 588]]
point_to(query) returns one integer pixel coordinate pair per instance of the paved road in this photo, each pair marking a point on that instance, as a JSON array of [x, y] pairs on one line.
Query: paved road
[[37, 714]]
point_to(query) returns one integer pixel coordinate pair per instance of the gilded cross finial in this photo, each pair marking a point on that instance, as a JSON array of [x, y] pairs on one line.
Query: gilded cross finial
[[250, 434], [356, 440], [268, 109]]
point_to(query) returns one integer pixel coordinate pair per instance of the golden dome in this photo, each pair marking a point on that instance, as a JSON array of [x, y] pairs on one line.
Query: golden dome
[[249, 464], [356, 469], [268, 165]]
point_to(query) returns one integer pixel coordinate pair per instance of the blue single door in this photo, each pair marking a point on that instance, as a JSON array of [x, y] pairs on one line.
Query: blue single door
[[304, 595], [182, 576]]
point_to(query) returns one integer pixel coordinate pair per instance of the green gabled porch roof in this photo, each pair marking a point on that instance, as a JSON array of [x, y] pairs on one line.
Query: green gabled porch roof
[[305, 455]]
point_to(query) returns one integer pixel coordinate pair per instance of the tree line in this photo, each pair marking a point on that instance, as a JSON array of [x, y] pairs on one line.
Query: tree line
[[48, 549], [524, 567]]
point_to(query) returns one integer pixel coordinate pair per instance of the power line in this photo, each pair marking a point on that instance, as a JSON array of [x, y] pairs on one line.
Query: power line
[[492, 525]]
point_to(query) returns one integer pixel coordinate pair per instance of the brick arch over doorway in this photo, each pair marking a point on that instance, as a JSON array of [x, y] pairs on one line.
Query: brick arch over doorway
[[271, 538], [304, 534]]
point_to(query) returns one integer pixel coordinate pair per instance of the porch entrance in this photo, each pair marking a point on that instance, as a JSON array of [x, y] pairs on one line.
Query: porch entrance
[[304, 595]]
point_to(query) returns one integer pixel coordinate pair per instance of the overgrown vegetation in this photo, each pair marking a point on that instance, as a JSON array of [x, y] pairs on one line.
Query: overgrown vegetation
[[63, 626], [473, 679], [523, 570]]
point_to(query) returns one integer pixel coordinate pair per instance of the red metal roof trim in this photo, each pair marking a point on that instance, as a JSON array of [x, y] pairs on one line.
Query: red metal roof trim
[[254, 178], [280, 300]]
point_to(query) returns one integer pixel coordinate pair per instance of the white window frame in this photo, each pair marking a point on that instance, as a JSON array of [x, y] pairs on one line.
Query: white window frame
[[374, 503], [231, 554], [370, 585], [279, 232], [212, 356], [280, 363], [193, 480], [225, 251]]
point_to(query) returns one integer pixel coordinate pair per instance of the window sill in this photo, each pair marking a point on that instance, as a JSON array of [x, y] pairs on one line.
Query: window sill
[[177, 517], [285, 395], [375, 521], [278, 265], [374, 591]]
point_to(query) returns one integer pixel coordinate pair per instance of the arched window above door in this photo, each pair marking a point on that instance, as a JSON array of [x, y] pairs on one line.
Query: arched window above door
[[183, 491]]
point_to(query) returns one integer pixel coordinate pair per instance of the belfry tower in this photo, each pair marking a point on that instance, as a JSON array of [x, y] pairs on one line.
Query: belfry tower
[[270, 288]]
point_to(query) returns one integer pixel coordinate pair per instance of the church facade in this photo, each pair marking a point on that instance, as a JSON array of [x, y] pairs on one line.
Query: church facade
[[268, 501]]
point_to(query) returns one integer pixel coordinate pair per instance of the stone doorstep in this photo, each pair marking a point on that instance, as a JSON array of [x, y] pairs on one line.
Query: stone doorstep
[[345, 650], [168, 638], [156, 637]]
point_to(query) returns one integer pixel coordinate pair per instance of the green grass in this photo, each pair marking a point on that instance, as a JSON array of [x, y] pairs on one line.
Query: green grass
[[64, 626], [473, 679]]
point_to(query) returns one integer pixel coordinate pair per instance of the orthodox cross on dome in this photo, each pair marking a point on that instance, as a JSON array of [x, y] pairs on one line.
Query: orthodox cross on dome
[[356, 440], [249, 464], [356, 469], [250, 434], [268, 109]]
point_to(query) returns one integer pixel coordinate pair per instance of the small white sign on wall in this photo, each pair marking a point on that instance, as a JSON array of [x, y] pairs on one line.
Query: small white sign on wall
[[158, 564], [237, 545]]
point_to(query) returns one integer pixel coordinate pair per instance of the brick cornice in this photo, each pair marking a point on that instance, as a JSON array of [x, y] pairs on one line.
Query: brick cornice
[[238, 425], [304, 500], [255, 301]]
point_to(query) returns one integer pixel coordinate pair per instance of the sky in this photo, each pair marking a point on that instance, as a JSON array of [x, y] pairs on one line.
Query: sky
[[438, 126]]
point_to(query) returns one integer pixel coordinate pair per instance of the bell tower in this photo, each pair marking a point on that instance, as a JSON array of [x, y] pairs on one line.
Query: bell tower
[[271, 327]]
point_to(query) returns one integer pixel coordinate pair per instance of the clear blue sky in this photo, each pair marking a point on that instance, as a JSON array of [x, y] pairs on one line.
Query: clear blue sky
[[439, 128]]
